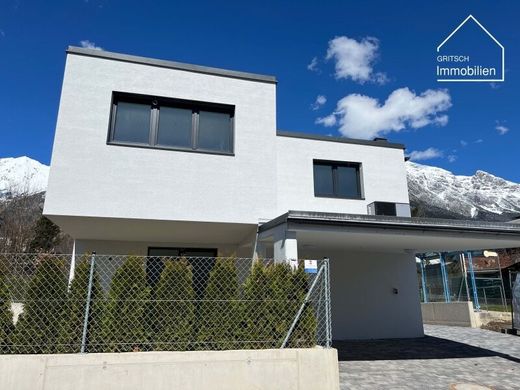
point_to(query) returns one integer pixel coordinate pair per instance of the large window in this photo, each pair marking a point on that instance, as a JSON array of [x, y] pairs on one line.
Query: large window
[[337, 179], [171, 124]]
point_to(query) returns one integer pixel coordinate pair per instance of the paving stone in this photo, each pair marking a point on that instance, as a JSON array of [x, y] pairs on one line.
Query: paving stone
[[447, 357]]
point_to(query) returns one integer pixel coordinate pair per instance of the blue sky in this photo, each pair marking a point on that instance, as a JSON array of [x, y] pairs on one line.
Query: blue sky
[[459, 126]]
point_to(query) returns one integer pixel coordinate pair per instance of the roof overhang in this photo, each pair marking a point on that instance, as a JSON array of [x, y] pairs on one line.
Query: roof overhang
[[393, 234]]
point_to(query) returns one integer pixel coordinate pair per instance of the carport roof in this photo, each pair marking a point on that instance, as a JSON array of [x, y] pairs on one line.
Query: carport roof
[[378, 221], [394, 233]]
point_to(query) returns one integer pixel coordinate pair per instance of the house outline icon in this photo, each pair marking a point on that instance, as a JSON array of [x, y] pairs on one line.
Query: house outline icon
[[502, 48]]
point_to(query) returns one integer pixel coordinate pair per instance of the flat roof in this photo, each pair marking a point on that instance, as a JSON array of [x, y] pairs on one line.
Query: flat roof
[[388, 222], [381, 143], [170, 64]]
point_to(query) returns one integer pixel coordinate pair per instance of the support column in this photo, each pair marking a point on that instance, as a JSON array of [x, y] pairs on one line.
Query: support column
[[72, 263], [285, 246]]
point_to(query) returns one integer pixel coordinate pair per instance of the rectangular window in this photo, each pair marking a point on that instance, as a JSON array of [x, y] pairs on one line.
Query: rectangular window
[[165, 123], [337, 179]]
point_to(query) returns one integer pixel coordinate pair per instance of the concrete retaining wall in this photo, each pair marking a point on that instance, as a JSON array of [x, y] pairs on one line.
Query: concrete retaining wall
[[286, 369], [453, 313]]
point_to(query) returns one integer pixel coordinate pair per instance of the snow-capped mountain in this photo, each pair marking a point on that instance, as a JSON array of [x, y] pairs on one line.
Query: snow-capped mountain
[[435, 192], [22, 175]]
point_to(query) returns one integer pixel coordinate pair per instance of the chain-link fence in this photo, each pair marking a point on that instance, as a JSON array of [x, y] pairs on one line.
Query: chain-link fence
[[105, 303]]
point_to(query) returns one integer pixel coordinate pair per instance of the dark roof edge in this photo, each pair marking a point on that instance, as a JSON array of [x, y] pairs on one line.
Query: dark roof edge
[[171, 64], [315, 137], [407, 223]]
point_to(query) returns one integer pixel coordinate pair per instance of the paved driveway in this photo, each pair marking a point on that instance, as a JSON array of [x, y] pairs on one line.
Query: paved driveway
[[447, 358]]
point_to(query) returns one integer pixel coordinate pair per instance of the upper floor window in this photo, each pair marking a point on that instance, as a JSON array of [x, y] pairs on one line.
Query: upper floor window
[[171, 124], [337, 179]]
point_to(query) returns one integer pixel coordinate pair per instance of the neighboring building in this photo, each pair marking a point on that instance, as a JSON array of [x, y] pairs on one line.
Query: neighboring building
[[155, 157]]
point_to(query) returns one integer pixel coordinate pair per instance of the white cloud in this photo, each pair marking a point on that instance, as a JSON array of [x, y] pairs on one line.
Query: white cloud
[[320, 101], [355, 59], [426, 154], [2, 33], [327, 121], [501, 128], [313, 65], [479, 141], [89, 45], [452, 158], [361, 116], [463, 143]]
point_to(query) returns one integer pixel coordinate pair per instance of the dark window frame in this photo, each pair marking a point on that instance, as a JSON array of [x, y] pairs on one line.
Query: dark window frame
[[334, 166], [194, 106]]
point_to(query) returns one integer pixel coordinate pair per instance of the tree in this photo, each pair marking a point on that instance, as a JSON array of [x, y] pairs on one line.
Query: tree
[[304, 334], [258, 320], [71, 331], [273, 295], [46, 236], [124, 327], [220, 315], [174, 307], [37, 328], [6, 316]]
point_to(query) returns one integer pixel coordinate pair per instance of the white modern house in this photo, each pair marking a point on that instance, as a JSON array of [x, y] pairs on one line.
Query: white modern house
[[155, 157]]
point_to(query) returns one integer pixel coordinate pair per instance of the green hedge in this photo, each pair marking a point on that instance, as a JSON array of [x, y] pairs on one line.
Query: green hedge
[[130, 317], [38, 326], [71, 330], [6, 316], [124, 325], [220, 316], [174, 307]]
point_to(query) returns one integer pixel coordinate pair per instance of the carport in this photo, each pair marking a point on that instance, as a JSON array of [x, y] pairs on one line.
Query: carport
[[374, 286]]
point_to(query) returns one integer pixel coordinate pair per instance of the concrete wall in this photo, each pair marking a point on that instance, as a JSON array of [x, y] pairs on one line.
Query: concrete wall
[[383, 175], [90, 178], [298, 369], [364, 305], [453, 313]]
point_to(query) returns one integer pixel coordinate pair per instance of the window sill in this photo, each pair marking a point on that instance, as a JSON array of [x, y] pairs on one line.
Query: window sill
[[338, 197], [158, 147]]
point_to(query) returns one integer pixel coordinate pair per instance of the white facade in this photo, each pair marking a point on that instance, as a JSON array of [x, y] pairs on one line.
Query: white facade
[[123, 200], [266, 176]]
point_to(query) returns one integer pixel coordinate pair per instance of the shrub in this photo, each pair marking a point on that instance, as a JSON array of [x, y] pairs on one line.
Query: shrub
[[6, 316], [38, 326], [258, 329], [71, 331], [304, 334], [174, 307], [220, 315], [124, 327], [273, 295]]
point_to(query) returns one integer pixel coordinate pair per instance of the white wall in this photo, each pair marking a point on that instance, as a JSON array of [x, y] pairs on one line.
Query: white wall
[[288, 369], [138, 248], [90, 178], [364, 305], [383, 175]]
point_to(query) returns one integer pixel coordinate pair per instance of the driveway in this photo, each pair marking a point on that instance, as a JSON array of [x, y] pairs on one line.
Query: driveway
[[447, 358]]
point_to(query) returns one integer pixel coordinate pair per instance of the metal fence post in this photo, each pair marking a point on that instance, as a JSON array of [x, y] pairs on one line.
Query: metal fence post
[[328, 317], [87, 304], [473, 282], [302, 307]]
